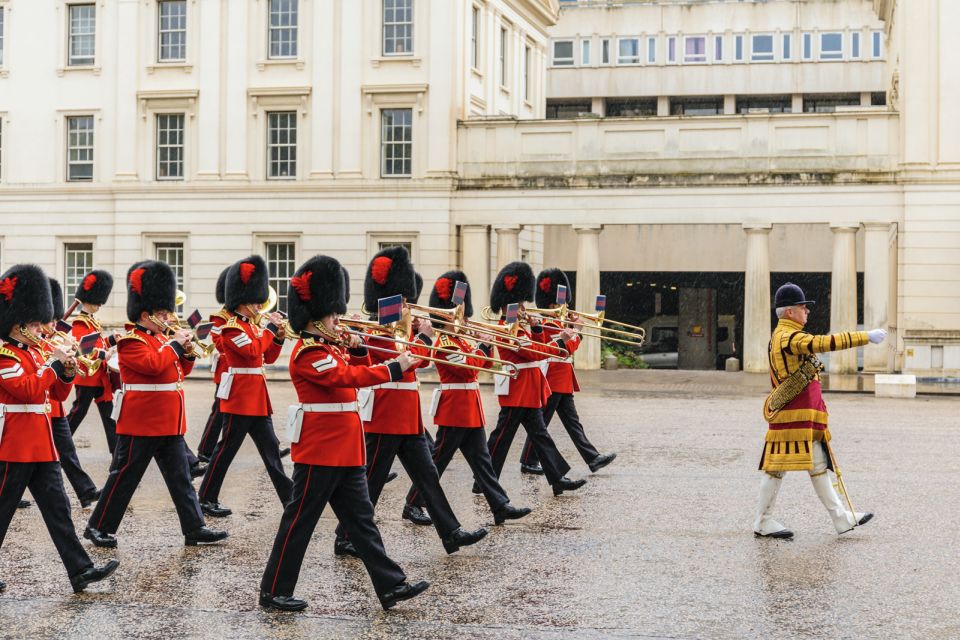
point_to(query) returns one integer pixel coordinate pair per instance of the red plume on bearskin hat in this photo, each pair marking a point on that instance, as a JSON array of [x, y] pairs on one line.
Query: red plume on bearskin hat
[[317, 289], [441, 296], [95, 287], [247, 282], [24, 297], [513, 284], [390, 273], [547, 282], [151, 287]]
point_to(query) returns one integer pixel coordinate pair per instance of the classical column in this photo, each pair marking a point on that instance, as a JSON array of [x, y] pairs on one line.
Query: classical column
[[876, 294], [756, 299], [508, 244], [588, 288], [843, 294], [475, 262]]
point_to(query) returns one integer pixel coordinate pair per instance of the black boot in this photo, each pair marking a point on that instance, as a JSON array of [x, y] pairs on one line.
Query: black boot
[[601, 461], [532, 469], [215, 509], [198, 469], [461, 538], [3, 586], [343, 547], [509, 512], [390, 477], [283, 454], [416, 515], [204, 535], [281, 603], [93, 574], [403, 591], [202, 458], [476, 489], [99, 538], [89, 498], [23, 504], [566, 484]]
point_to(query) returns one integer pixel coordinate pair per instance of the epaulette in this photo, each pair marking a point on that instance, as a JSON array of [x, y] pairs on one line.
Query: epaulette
[[85, 320], [7, 353], [233, 323], [223, 314], [131, 336], [447, 342], [307, 344]]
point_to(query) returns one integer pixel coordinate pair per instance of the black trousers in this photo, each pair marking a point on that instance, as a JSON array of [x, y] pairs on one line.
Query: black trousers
[[473, 443], [563, 405], [414, 454], [235, 429], [509, 420], [211, 431], [46, 485], [130, 461], [81, 404], [345, 488], [63, 440]]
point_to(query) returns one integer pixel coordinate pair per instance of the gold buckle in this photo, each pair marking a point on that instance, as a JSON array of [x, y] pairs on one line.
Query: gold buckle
[[179, 385], [47, 407]]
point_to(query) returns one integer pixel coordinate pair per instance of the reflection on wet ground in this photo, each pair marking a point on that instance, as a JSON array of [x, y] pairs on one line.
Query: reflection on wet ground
[[656, 545]]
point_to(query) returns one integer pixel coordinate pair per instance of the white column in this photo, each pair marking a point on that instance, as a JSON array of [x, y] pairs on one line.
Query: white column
[[588, 288], [843, 294], [877, 358], [756, 299], [508, 244], [475, 262]]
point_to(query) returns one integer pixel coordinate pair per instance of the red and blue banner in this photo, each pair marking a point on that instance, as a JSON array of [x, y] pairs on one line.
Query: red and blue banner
[[561, 295], [459, 293], [513, 311], [390, 310], [88, 342], [601, 303]]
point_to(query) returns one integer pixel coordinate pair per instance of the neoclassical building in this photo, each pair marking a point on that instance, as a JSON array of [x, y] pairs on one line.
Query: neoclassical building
[[647, 148]]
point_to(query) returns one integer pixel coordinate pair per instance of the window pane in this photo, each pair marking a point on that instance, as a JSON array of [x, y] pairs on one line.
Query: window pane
[[282, 264], [474, 34], [585, 52], [877, 50], [282, 145], [82, 34], [170, 146], [172, 254], [396, 142], [787, 53], [563, 53], [762, 48], [629, 51], [172, 30], [77, 263], [1, 36], [671, 49], [80, 148], [651, 50], [605, 56], [807, 46], [718, 48], [738, 48], [397, 27], [284, 18], [695, 49], [854, 45], [831, 46]]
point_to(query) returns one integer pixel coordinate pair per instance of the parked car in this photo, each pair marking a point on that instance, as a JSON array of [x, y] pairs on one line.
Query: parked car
[[661, 350]]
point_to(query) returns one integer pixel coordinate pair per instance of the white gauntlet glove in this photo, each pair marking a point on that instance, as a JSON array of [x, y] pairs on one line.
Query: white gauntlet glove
[[876, 336]]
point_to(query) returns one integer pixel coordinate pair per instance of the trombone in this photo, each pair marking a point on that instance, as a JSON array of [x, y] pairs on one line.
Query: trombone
[[195, 344], [635, 337]]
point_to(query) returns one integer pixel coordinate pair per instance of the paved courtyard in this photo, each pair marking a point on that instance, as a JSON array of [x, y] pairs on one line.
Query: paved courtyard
[[658, 545]]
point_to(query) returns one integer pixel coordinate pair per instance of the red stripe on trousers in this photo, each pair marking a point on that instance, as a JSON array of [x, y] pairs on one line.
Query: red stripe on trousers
[[224, 438], [119, 475], [303, 498]]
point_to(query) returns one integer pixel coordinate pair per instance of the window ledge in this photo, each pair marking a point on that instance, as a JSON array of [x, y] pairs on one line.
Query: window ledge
[[412, 60], [184, 66], [504, 90], [89, 68], [297, 63], [476, 72]]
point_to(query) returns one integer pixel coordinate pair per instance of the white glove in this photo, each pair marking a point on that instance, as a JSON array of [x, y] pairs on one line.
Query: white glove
[[877, 336]]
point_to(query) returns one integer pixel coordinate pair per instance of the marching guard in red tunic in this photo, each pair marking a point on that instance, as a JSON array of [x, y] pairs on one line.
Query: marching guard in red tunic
[[244, 401], [391, 411], [150, 410], [458, 412], [29, 382], [327, 440], [562, 380]]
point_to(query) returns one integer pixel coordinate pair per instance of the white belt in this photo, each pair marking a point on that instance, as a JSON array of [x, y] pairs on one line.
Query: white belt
[[460, 386], [402, 386], [171, 386], [566, 360], [330, 407], [25, 408], [247, 372], [526, 365]]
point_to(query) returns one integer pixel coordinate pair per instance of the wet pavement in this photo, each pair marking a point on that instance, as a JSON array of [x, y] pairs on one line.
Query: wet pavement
[[657, 545]]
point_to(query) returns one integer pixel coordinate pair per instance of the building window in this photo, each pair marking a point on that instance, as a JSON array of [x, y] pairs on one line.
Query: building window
[[526, 72], [877, 44], [282, 145], [77, 263], [764, 104], [878, 99], [504, 42], [172, 254], [855, 45], [629, 51], [396, 142], [563, 53], [284, 18], [787, 48], [173, 31], [80, 148], [710, 106], [397, 27], [475, 38], [808, 46], [831, 46], [761, 48], [828, 102], [652, 50], [605, 51], [1, 146], [281, 264], [694, 49], [82, 34], [738, 48], [567, 109], [170, 146], [1, 36], [718, 48], [631, 107], [585, 53], [671, 49]]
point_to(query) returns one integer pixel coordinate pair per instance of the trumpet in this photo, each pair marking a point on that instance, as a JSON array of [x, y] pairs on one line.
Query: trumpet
[[59, 339], [198, 348]]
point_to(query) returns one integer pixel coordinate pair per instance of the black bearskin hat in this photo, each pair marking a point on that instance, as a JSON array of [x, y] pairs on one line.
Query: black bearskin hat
[[95, 287], [220, 290], [547, 283], [390, 273], [24, 297], [418, 280], [316, 290], [513, 284], [441, 296], [56, 294], [151, 287], [346, 285], [248, 282]]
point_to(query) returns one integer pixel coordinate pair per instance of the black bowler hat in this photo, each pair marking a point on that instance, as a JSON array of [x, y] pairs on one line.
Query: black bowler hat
[[789, 295]]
